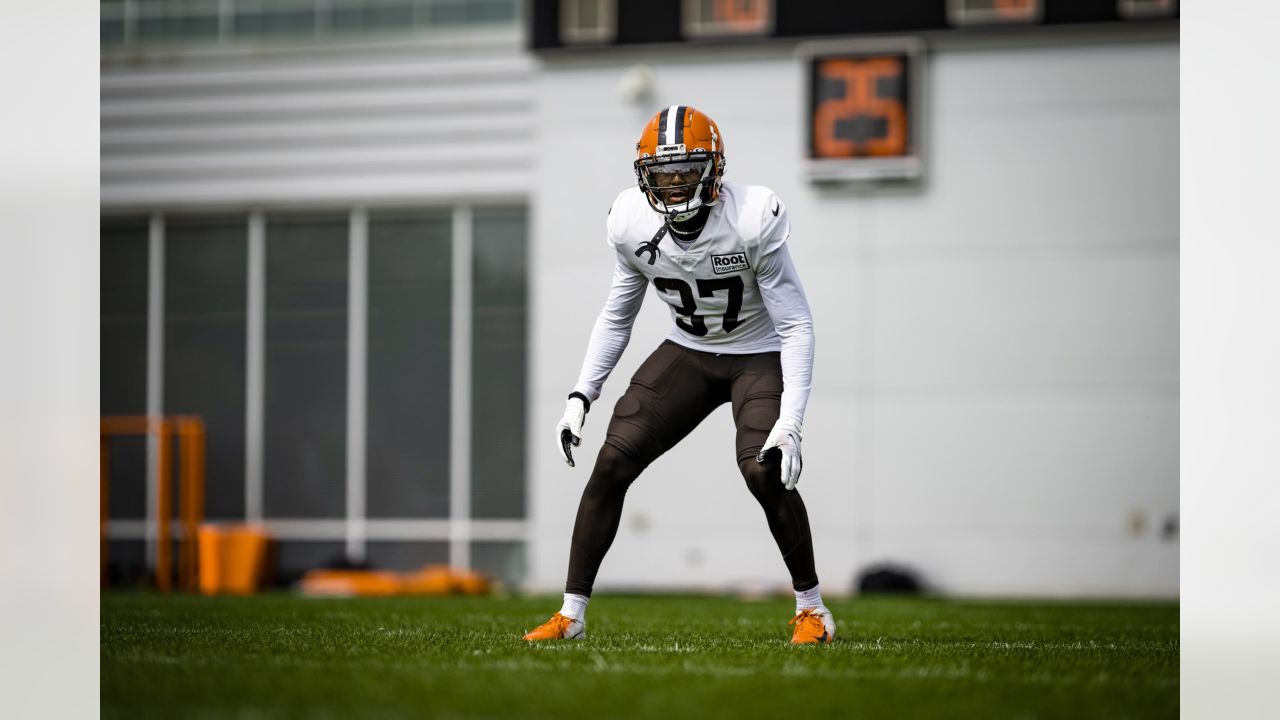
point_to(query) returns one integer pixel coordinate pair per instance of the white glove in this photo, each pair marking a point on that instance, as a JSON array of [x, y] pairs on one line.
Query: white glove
[[786, 437], [569, 430]]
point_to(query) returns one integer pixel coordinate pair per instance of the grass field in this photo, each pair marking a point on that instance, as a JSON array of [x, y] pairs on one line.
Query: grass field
[[279, 655]]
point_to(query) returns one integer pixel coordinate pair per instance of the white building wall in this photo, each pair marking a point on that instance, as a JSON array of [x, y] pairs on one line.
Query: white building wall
[[995, 400], [438, 118]]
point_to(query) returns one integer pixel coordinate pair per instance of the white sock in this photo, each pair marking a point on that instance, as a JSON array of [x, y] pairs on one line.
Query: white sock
[[810, 599], [575, 606]]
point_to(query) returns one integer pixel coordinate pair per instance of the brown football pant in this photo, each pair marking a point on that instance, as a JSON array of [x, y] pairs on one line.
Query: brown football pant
[[669, 395]]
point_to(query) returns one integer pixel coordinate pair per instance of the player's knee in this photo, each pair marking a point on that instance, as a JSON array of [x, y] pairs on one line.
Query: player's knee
[[613, 469], [760, 477], [611, 462]]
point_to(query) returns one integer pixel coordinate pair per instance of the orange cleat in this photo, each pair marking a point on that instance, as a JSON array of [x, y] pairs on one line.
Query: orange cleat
[[813, 627], [559, 627]]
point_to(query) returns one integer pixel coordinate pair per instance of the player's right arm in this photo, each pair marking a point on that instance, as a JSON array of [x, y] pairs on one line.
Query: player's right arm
[[612, 331], [609, 337]]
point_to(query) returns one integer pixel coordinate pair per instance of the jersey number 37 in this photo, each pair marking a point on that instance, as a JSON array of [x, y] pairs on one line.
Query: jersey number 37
[[696, 324]]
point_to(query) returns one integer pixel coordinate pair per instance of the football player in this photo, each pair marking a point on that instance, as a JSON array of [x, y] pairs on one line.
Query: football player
[[716, 252]]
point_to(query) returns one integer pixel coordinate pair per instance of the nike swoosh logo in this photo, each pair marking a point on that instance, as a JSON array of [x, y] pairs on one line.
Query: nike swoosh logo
[[775, 210]]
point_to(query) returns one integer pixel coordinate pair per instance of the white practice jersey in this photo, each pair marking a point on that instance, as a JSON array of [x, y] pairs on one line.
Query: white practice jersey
[[733, 291]]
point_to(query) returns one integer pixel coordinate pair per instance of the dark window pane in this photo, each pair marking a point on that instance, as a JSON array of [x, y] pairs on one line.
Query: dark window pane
[[179, 21], [504, 560], [304, 423], [266, 18], [490, 10], [499, 364], [372, 15], [289, 560], [127, 562], [408, 366], [398, 555], [111, 31], [447, 13], [123, 245], [452, 12], [204, 346], [127, 461]]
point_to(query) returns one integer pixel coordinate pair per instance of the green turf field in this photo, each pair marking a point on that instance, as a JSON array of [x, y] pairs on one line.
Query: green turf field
[[645, 657]]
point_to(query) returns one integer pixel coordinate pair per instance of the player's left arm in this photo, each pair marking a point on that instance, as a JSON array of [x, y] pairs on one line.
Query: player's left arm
[[784, 298]]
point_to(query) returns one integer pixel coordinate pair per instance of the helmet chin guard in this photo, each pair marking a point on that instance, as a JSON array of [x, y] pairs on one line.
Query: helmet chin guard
[[681, 217], [680, 162]]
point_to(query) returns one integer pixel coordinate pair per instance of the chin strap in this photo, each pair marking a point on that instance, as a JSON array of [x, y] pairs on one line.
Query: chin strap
[[651, 247], [695, 223]]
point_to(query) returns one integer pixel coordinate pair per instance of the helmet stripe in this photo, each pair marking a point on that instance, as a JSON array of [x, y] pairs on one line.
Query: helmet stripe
[[667, 127], [680, 111]]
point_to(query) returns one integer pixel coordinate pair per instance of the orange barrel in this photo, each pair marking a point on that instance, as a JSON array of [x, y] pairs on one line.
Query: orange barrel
[[231, 558]]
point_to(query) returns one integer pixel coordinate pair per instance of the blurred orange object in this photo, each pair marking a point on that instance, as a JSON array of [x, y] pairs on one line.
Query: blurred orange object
[[473, 583], [231, 558], [363, 583], [431, 580], [190, 432]]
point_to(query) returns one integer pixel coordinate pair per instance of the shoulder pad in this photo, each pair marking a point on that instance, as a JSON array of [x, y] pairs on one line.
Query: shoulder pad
[[621, 214], [753, 203]]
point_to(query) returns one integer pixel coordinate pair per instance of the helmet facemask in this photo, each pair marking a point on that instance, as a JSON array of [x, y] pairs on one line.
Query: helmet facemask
[[677, 187]]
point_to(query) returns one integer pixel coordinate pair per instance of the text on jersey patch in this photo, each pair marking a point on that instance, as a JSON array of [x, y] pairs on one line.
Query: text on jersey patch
[[721, 264]]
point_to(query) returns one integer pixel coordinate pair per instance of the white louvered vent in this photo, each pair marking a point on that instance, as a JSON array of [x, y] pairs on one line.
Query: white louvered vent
[[434, 120]]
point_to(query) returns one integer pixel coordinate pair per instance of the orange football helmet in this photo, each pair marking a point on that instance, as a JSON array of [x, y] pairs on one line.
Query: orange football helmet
[[680, 161]]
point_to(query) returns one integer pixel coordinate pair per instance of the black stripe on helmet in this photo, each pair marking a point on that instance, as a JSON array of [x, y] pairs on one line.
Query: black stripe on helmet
[[662, 126], [680, 111]]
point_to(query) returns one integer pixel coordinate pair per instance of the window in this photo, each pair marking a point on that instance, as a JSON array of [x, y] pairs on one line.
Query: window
[[178, 20], [123, 298], [727, 18], [994, 12], [205, 286], [309, 342], [409, 337], [356, 15], [274, 17], [588, 21], [1144, 9], [406, 555], [503, 560], [123, 354], [305, 370], [499, 349]]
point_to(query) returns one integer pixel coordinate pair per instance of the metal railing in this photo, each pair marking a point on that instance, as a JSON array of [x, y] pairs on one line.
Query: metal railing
[[127, 23]]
